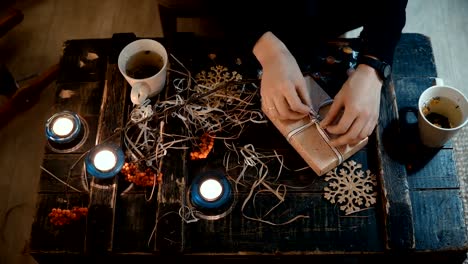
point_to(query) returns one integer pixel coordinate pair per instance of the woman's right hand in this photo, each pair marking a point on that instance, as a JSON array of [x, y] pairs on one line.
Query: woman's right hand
[[283, 87]]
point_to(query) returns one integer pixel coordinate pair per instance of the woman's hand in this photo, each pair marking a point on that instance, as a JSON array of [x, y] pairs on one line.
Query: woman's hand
[[359, 102], [282, 85]]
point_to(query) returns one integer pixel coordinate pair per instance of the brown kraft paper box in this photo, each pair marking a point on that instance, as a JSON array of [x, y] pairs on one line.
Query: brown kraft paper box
[[309, 140]]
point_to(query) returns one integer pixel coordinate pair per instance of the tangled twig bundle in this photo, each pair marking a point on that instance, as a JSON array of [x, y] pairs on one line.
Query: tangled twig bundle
[[214, 105]]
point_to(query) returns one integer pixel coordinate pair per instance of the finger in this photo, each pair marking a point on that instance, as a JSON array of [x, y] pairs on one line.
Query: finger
[[344, 123], [354, 132], [299, 100], [268, 106], [303, 94], [296, 105], [332, 114], [273, 113], [342, 140], [350, 71], [352, 135], [270, 111], [367, 130], [294, 102], [292, 116], [281, 107], [284, 112]]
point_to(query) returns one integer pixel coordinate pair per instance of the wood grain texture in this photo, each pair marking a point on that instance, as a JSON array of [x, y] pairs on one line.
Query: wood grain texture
[[445, 23], [438, 210], [393, 178]]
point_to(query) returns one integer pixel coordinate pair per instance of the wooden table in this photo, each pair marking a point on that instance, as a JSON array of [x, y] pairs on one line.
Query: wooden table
[[419, 211]]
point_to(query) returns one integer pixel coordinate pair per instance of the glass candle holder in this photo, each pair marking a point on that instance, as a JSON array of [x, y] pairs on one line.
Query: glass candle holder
[[63, 127], [210, 190], [66, 132]]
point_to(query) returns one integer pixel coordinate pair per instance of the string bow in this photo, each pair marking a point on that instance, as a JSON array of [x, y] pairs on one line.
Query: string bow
[[314, 119]]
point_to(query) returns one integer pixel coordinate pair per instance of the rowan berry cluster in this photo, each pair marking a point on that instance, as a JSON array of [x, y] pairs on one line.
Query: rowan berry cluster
[[204, 148], [60, 217], [141, 178]]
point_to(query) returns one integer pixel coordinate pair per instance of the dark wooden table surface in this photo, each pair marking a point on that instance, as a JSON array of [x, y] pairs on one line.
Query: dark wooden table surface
[[418, 213]]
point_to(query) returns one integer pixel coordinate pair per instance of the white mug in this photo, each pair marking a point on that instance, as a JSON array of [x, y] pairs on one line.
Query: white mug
[[143, 63], [443, 111]]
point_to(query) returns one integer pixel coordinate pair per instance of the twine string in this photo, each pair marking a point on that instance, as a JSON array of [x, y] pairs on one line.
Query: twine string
[[314, 120]]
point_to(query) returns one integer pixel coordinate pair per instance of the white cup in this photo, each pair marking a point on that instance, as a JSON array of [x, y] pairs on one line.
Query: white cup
[[143, 63], [443, 111]]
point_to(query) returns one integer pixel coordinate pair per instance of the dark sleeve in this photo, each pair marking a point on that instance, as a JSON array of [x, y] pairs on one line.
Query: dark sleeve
[[245, 21], [382, 29]]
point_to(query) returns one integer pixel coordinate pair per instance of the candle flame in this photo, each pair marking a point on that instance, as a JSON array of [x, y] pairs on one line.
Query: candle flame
[[105, 160], [211, 189], [63, 126]]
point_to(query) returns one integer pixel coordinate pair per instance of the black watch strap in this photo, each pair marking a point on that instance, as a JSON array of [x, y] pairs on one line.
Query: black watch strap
[[383, 69]]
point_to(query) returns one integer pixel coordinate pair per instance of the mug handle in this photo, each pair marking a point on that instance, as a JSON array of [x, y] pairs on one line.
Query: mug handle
[[139, 93]]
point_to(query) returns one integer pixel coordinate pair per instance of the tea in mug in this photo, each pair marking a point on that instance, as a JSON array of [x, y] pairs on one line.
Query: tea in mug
[[144, 64], [442, 112], [438, 120]]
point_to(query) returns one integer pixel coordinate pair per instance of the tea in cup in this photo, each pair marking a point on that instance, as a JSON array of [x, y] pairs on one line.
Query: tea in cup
[[443, 111]]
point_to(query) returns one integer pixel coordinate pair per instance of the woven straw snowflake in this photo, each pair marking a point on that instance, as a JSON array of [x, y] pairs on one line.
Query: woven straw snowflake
[[217, 74], [351, 187]]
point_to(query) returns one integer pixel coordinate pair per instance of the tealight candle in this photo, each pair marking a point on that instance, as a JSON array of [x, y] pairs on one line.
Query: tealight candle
[[63, 126], [211, 189], [105, 160]]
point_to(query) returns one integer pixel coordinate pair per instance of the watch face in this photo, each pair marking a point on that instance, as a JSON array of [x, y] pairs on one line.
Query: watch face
[[386, 71]]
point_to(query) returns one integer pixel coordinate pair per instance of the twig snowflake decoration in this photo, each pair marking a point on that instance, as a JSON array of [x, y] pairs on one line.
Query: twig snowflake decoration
[[351, 187], [217, 74]]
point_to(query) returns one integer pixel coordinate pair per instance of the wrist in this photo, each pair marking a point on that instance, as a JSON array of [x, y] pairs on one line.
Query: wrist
[[268, 46], [381, 68], [370, 72]]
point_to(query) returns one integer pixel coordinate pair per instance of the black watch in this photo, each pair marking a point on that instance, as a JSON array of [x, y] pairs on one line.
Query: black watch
[[383, 69]]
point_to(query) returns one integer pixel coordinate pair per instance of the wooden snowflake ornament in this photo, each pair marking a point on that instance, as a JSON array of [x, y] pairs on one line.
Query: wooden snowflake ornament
[[351, 187], [217, 74]]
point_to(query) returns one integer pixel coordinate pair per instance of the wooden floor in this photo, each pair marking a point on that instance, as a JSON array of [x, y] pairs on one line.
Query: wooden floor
[[36, 44]]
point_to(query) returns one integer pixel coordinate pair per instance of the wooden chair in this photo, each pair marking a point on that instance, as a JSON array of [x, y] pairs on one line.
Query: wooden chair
[[22, 98], [9, 18], [196, 11], [27, 96]]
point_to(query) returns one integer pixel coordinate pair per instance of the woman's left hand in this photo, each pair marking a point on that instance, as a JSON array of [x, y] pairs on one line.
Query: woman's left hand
[[356, 105]]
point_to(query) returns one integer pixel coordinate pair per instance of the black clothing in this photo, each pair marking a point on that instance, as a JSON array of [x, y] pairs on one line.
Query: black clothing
[[298, 22]]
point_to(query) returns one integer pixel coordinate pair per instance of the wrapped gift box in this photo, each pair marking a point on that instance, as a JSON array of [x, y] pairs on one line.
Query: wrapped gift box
[[309, 139]]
